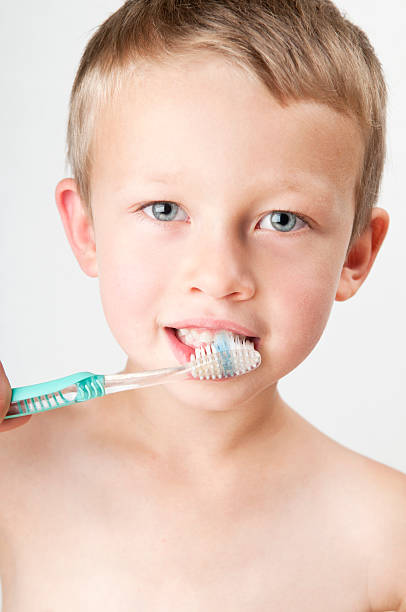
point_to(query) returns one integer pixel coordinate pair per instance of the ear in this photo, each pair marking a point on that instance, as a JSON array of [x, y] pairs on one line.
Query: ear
[[362, 255], [78, 225]]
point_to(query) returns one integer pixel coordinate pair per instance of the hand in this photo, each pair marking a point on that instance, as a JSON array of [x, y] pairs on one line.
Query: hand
[[5, 399]]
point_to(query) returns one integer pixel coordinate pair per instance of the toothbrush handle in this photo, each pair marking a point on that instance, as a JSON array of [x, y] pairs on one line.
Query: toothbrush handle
[[114, 383], [83, 386], [64, 391]]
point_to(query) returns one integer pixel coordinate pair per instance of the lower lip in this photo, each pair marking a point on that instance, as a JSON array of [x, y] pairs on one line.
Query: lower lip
[[183, 352]]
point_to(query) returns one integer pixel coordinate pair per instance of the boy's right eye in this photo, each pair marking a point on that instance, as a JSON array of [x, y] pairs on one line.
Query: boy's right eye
[[163, 211]]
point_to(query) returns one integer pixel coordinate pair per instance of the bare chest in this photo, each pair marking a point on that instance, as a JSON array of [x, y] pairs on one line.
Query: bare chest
[[85, 546]]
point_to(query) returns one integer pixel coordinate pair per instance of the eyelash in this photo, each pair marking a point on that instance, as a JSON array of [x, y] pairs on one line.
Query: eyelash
[[299, 216]]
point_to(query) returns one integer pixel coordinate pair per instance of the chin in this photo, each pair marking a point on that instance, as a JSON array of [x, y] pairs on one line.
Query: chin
[[223, 395]]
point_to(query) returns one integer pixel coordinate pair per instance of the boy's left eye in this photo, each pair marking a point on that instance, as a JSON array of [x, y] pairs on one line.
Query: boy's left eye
[[282, 221]]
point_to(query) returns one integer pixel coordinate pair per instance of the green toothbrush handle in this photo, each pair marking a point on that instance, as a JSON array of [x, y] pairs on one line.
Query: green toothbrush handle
[[64, 391]]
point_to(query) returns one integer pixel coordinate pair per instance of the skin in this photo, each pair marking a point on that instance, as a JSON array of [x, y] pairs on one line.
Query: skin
[[177, 475], [239, 156]]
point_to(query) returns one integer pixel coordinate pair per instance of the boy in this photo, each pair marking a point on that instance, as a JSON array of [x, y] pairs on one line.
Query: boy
[[227, 158]]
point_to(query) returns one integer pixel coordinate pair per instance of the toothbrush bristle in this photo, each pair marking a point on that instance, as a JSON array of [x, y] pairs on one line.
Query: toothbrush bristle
[[226, 356]]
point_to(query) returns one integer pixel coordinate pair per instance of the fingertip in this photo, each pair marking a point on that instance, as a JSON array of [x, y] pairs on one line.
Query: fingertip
[[14, 423], [2, 371]]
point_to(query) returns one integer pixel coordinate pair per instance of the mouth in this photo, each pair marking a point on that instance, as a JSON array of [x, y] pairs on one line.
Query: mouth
[[183, 351]]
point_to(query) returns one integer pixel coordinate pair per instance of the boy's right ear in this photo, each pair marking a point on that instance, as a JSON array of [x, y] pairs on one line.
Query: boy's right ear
[[78, 225]]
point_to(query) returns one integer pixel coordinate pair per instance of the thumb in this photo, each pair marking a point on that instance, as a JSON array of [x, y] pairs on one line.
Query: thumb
[[5, 399]]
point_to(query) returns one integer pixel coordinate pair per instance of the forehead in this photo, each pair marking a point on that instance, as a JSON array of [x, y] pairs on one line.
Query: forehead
[[207, 120]]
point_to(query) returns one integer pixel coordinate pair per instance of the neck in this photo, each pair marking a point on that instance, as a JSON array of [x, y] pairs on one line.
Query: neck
[[200, 437]]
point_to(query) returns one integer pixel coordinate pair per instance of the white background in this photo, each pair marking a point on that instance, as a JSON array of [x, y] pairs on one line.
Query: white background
[[51, 319]]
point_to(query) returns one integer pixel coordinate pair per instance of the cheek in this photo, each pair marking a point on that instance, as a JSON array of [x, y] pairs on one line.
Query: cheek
[[132, 275], [301, 308]]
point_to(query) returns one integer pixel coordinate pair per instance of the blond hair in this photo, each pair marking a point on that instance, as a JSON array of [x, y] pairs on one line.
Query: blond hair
[[300, 49]]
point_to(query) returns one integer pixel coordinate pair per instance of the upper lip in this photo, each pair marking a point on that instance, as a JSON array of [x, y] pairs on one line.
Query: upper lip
[[214, 324]]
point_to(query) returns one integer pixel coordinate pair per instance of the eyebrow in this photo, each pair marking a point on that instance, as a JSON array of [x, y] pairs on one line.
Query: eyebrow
[[318, 191], [304, 183]]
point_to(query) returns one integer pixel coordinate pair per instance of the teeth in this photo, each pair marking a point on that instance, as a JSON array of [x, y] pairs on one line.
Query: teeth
[[196, 337]]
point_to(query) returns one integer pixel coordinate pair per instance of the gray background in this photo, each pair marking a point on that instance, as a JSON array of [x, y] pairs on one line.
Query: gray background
[[52, 324]]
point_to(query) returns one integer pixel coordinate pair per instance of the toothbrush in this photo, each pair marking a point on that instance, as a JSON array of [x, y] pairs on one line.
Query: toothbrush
[[226, 356]]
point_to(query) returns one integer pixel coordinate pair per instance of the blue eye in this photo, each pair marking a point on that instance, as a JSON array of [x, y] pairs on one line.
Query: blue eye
[[284, 221], [164, 211]]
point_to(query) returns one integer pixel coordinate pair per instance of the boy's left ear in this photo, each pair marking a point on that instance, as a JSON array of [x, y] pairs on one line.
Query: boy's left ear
[[362, 255], [78, 225]]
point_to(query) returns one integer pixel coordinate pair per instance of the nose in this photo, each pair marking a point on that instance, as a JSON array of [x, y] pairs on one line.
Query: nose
[[219, 266]]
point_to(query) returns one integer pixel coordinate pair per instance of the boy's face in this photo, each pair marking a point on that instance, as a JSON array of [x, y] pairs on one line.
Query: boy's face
[[234, 159]]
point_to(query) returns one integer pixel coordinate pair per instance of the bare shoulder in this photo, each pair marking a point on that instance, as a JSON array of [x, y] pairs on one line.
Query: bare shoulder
[[385, 493], [30, 454], [367, 500], [24, 443], [23, 451], [16, 445]]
